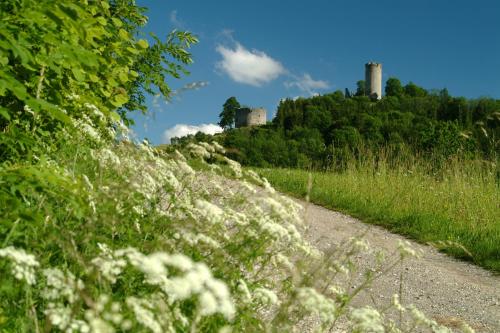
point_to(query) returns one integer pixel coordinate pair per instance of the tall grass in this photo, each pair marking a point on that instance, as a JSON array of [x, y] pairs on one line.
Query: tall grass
[[453, 204]]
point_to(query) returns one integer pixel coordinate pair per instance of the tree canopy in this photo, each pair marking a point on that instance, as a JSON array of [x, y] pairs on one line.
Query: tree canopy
[[228, 113], [52, 51], [316, 131]]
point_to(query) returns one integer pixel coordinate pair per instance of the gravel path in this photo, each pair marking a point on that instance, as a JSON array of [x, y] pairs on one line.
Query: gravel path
[[447, 290]]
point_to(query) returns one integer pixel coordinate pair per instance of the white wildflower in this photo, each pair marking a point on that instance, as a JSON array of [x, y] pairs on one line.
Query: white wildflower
[[207, 240], [276, 207], [178, 261], [336, 290], [359, 245], [208, 303], [108, 158], [293, 233], [419, 317], [78, 326], [367, 320], [146, 148], [254, 176], [234, 166], [109, 267], [441, 329], [178, 315], [185, 168], [339, 268], [397, 304], [60, 316], [244, 292], [207, 146], [214, 167], [73, 97], [87, 182], [198, 151], [218, 148], [92, 204], [283, 261], [265, 296], [405, 249], [194, 279], [139, 210], [29, 110], [275, 230], [143, 313], [61, 285], [267, 186], [315, 303], [23, 265], [221, 293], [95, 110], [209, 211], [126, 325], [172, 181], [86, 126], [310, 251], [179, 156], [238, 217], [248, 187]]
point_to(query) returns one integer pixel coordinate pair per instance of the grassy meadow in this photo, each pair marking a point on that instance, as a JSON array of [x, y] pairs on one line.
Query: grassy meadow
[[456, 209]]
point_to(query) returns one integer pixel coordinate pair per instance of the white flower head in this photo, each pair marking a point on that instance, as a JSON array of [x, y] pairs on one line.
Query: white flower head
[[313, 302], [367, 320], [23, 265], [265, 296]]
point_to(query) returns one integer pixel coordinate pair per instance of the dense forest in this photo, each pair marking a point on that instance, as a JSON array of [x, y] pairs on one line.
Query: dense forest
[[320, 130]]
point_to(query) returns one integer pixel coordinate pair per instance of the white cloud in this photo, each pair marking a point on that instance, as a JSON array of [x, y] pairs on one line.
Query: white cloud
[[249, 67], [190, 86], [307, 84], [177, 93], [195, 85], [181, 130], [175, 21]]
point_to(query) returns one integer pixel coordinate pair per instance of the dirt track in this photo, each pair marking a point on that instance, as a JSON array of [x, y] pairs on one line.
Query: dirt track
[[446, 289]]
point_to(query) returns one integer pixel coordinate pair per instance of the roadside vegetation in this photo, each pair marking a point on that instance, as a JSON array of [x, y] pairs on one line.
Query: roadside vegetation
[[455, 206], [99, 233]]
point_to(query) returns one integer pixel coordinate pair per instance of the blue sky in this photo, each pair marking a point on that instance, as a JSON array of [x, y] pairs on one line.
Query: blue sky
[[263, 51]]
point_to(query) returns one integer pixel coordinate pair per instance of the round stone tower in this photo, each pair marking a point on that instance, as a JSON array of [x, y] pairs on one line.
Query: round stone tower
[[250, 117], [373, 80]]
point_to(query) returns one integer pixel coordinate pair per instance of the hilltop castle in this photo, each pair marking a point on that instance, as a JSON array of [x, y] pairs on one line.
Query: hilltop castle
[[250, 117]]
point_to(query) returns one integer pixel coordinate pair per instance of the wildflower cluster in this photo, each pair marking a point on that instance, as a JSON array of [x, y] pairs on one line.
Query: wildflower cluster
[[134, 238], [23, 264]]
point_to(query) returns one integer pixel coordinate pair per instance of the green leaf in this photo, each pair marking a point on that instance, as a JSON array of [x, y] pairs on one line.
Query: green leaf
[[142, 43], [4, 113], [118, 23], [78, 74], [4, 61], [132, 50], [123, 77], [114, 116], [123, 34], [101, 20], [119, 100], [105, 92], [112, 82]]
